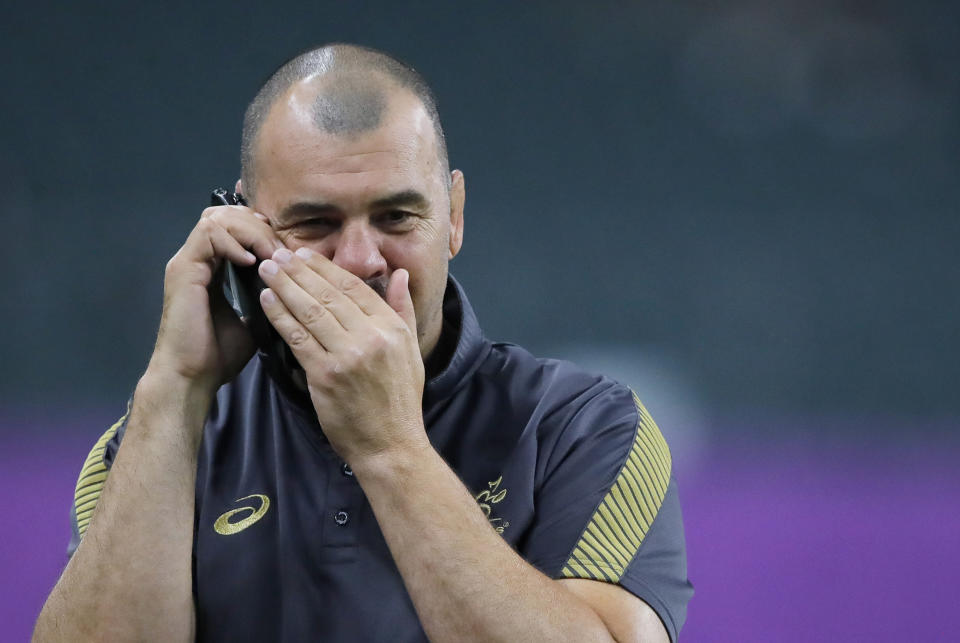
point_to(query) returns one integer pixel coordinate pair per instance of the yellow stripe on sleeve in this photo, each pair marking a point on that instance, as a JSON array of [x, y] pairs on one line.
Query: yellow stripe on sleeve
[[92, 477], [624, 516]]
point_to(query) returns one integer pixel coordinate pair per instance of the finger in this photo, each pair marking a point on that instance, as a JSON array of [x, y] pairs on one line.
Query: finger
[[301, 341], [398, 296], [297, 266], [197, 261], [306, 309], [208, 242], [365, 297], [250, 228]]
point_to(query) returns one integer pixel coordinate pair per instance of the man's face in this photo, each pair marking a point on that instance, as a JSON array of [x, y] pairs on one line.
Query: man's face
[[370, 202]]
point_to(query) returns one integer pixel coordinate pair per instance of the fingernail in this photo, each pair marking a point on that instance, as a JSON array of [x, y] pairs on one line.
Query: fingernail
[[261, 216], [269, 267], [250, 256], [282, 256], [304, 253], [268, 296]]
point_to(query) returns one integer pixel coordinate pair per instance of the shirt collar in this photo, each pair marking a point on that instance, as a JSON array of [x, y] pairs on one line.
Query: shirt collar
[[471, 345]]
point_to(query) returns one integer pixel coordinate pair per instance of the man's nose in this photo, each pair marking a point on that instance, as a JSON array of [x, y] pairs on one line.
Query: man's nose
[[358, 251]]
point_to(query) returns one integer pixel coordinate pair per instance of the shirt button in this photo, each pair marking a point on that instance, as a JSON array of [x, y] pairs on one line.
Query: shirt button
[[346, 470], [341, 518]]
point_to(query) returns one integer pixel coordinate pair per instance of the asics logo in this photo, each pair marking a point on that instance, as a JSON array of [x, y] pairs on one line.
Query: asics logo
[[224, 527]]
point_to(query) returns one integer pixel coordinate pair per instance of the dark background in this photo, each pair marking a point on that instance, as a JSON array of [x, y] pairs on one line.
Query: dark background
[[746, 210], [764, 191]]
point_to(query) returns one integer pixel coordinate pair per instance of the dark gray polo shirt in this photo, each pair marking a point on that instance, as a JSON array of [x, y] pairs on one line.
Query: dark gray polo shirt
[[568, 467]]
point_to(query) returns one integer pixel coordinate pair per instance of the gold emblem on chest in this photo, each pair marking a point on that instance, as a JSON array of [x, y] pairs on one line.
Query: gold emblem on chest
[[224, 527]]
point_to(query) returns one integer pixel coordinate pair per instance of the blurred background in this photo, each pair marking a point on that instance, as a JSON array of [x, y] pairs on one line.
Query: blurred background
[[745, 210]]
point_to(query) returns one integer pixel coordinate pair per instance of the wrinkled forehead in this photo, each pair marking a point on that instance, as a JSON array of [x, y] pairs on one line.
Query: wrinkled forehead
[[346, 125]]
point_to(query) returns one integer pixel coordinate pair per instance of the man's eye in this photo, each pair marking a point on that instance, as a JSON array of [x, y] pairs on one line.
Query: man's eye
[[396, 216], [317, 222]]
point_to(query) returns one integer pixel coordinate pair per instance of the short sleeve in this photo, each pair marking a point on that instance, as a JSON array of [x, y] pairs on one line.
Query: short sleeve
[[93, 475], [608, 509]]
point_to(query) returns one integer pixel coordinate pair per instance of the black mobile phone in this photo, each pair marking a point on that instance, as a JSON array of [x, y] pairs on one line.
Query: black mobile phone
[[241, 287]]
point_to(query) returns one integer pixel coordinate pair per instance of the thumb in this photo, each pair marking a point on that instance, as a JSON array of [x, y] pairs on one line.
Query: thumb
[[398, 297]]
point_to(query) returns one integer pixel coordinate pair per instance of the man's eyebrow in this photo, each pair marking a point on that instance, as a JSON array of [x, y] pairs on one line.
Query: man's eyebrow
[[301, 209], [306, 209], [406, 198]]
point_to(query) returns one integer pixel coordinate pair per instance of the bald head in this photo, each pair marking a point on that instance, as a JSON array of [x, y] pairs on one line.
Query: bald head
[[349, 105], [354, 86]]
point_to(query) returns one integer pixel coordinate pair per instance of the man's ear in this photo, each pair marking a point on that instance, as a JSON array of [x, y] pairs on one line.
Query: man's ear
[[457, 199], [238, 188]]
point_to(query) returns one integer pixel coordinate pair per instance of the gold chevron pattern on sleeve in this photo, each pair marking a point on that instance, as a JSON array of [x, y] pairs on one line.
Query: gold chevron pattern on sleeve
[[625, 514], [92, 476]]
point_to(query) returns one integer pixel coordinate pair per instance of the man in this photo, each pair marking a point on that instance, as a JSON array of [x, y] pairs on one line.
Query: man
[[433, 484]]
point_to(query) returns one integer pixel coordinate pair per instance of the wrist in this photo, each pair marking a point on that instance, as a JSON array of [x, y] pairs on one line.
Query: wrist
[[168, 399], [394, 463], [163, 375]]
